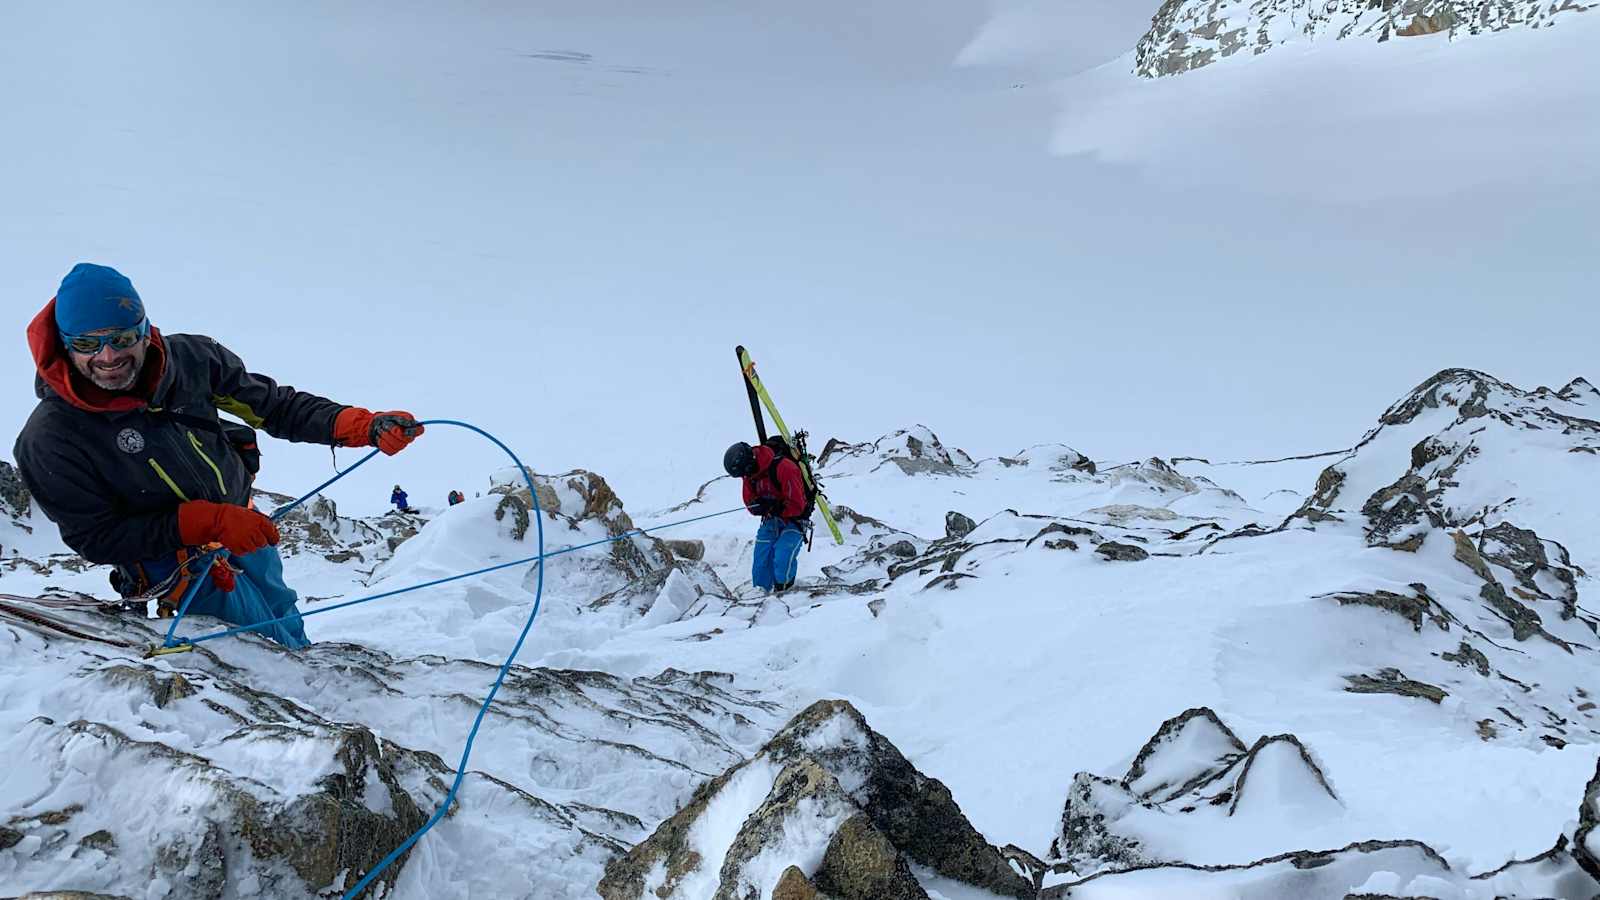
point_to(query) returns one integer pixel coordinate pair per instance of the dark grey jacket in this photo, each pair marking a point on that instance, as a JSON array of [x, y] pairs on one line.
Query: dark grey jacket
[[112, 480]]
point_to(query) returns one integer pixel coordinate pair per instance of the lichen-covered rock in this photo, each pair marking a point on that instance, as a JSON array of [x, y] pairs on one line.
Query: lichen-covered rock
[[1415, 610], [1394, 681], [861, 864], [794, 885]]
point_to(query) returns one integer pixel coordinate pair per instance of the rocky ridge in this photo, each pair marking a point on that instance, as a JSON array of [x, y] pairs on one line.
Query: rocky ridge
[[1189, 34]]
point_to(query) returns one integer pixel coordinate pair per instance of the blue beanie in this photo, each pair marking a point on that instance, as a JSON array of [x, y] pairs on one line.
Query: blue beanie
[[93, 297]]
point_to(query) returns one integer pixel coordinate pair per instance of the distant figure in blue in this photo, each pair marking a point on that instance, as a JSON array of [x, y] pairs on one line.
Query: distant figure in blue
[[398, 498], [775, 490], [455, 497]]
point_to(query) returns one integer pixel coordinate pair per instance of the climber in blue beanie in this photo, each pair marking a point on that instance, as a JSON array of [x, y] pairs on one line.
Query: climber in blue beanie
[[127, 454]]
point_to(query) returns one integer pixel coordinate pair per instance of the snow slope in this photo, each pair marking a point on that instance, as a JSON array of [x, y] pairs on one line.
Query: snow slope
[[1017, 658]]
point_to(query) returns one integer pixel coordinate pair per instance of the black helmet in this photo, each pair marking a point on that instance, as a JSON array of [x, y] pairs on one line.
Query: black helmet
[[740, 460]]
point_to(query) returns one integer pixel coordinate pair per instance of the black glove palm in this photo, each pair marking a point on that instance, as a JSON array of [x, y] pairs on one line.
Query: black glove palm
[[767, 506]]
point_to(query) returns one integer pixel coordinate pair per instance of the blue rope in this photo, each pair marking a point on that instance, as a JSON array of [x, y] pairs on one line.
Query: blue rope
[[505, 667], [466, 751], [284, 511], [435, 583]]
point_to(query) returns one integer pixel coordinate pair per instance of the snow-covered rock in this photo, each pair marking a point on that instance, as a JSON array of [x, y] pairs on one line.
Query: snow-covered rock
[[1189, 34], [242, 769], [913, 451], [827, 795], [1466, 450]]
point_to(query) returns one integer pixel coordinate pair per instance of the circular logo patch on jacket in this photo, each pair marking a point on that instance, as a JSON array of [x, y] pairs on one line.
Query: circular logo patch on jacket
[[130, 441]]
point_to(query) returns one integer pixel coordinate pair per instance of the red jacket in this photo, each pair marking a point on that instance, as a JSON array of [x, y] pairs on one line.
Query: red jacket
[[791, 486]]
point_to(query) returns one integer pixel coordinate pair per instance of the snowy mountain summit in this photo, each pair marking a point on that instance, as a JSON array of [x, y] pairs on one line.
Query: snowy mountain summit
[[1368, 673], [1190, 34]]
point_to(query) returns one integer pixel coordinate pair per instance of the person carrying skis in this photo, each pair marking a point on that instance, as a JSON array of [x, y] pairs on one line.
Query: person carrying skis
[[775, 490], [125, 452], [455, 497], [398, 498]]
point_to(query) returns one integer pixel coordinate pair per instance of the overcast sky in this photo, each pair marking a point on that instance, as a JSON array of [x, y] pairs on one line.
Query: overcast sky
[[555, 220]]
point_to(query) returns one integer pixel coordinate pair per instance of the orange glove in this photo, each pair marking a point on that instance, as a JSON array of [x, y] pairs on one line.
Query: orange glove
[[222, 576], [389, 431], [242, 531]]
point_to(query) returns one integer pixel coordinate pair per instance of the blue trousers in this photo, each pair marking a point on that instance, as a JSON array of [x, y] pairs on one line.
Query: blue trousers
[[777, 556], [259, 595]]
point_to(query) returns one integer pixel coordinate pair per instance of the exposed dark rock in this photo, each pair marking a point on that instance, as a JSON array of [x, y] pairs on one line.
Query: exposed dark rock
[[160, 687], [1230, 750], [1255, 753], [1585, 843], [14, 497], [1115, 550], [1063, 529], [517, 509], [1524, 621], [1527, 557], [1413, 609], [102, 840], [1393, 681], [957, 526], [1397, 514], [1085, 842], [1469, 657], [1288, 874], [691, 549], [1438, 391], [198, 866], [1467, 554]]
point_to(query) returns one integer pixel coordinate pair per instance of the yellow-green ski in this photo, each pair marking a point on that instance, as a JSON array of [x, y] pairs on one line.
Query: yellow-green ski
[[753, 381]]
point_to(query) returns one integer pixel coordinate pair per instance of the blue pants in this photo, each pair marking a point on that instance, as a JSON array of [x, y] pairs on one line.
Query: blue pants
[[777, 556], [258, 596]]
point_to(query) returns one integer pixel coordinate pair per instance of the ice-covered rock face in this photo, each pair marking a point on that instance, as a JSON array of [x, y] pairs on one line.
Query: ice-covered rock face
[[1189, 34], [251, 770], [828, 796]]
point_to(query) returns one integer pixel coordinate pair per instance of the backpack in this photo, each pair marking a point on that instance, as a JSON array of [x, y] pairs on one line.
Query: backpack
[[782, 451]]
